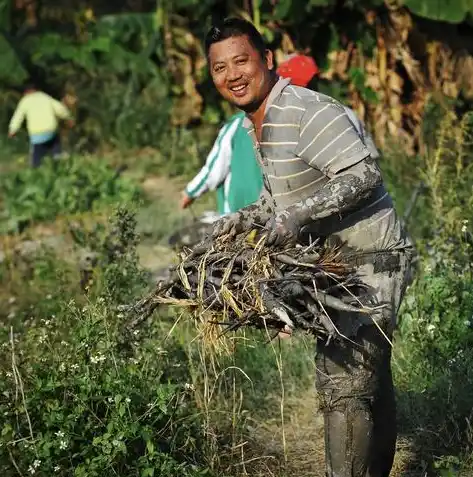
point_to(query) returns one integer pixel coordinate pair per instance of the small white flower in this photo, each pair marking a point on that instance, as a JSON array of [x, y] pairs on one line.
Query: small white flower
[[60, 434], [110, 399], [11, 300], [48, 297], [101, 299], [36, 463], [120, 315], [57, 468], [63, 445], [430, 328], [464, 229], [466, 322], [136, 332], [128, 400], [62, 367], [98, 358], [31, 470], [74, 366], [189, 387]]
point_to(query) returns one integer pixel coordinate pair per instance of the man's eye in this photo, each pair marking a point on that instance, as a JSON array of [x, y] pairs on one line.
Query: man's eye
[[217, 69], [241, 61]]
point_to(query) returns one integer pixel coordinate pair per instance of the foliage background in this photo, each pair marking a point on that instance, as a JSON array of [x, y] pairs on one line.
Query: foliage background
[[133, 69], [78, 396]]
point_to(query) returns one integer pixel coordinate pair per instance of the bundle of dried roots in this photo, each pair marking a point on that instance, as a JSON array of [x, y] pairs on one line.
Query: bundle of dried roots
[[237, 283]]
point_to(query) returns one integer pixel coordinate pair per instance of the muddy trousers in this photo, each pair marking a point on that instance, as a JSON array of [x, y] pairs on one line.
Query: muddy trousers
[[356, 395]]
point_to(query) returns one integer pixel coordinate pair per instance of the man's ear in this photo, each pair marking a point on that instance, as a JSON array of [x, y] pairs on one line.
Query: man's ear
[[269, 59]]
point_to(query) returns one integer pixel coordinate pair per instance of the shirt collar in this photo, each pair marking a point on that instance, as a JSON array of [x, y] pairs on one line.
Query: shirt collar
[[277, 89]]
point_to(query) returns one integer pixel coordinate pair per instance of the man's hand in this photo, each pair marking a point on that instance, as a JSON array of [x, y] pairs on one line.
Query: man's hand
[[245, 219], [282, 229], [186, 201], [11, 134], [231, 225]]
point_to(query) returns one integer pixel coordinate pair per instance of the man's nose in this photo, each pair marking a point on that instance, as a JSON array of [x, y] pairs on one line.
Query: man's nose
[[233, 73]]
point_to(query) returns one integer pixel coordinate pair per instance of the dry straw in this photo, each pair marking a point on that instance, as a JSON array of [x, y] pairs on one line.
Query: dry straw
[[231, 284]]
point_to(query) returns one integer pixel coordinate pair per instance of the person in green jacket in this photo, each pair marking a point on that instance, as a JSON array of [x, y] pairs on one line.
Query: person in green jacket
[[231, 169]]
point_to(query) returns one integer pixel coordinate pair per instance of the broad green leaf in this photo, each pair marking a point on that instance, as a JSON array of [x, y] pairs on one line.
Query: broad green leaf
[[282, 9], [12, 71], [453, 11], [101, 43]]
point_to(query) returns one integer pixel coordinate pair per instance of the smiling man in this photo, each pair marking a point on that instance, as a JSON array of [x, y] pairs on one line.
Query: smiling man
[[321, 181]]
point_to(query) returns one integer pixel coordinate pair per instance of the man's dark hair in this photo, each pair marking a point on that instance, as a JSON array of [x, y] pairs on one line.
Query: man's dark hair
[[232, 27]]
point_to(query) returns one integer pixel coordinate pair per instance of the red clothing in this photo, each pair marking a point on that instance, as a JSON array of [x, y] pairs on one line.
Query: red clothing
[[300, 68]]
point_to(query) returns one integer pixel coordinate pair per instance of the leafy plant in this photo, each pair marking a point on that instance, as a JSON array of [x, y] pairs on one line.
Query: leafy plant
[[66, 186], [75, 402]]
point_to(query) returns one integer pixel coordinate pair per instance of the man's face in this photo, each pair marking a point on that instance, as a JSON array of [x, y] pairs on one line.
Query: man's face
[[239, 73]]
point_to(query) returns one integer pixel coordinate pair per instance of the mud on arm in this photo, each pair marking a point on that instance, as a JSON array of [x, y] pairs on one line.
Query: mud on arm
[[330, 142], [256, 214], [343, 192]]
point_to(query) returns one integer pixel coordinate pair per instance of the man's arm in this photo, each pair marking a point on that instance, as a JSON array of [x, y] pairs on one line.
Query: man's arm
[[343, 192], [217, 164], [16, 120], [330, 142]]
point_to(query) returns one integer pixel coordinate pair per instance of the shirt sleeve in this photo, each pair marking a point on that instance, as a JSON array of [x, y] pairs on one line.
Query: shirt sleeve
[[328, 139], [60, 109], [217, 164], [17, 118], [365, 135]]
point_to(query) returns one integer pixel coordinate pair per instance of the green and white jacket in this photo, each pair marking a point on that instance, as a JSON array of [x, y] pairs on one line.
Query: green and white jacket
[[231, 169]]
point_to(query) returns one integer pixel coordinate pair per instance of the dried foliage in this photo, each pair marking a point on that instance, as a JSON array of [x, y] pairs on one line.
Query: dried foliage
[[240, 283]]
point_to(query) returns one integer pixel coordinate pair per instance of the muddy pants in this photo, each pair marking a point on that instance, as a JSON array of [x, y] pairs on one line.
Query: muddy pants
[[354, 383]]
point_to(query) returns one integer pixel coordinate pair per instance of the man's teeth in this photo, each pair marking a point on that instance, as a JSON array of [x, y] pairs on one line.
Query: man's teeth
[[238, 88]]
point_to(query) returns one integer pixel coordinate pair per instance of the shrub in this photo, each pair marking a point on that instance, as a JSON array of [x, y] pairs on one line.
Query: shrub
[[66, 186], [79, 395]]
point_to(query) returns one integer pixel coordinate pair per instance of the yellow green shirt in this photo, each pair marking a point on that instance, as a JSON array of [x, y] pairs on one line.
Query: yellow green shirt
[[42, 114]]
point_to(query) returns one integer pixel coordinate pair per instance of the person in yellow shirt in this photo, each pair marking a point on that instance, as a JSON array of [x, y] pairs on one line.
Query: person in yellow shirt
[[42, 114]]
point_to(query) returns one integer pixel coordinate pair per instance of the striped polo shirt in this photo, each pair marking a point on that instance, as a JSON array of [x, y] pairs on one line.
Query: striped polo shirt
[[309, 138]]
